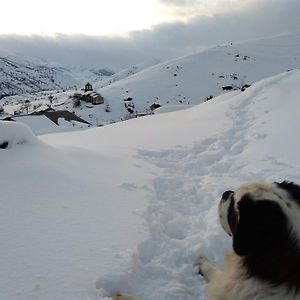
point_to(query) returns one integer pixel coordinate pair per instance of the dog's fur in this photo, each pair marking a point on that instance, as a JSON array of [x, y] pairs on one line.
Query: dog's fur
[[263, 220]]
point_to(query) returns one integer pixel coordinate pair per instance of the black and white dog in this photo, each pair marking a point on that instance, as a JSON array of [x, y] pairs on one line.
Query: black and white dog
[[263, 219]]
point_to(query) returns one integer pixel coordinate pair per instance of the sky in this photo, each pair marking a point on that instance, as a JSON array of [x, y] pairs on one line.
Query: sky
[[97, 17], [116, 34], [89, 17]]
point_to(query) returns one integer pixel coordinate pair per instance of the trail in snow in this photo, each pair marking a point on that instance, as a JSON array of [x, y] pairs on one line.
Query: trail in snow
[[182, 212]]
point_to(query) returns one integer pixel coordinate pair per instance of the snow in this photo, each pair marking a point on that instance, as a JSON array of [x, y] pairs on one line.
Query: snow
[[16, 134], [63, 217], [39, 124], [20, 75], [102, 82], [171, 108], [130, 206], [191, 79], [181, 82]]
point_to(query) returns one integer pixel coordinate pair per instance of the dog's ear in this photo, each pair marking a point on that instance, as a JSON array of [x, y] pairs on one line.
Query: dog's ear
[[292, 188], [262, 227]]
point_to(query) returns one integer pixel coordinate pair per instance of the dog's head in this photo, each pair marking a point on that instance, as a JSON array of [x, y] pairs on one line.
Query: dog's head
[[262, 217], [263, 220]]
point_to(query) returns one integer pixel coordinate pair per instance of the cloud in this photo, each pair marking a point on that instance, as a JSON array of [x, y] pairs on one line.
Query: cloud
[[183, 3], [179, 2], [183, 9], [251, 19]]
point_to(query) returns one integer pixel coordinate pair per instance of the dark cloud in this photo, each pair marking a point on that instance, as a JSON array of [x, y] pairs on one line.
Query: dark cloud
[[254, 19]]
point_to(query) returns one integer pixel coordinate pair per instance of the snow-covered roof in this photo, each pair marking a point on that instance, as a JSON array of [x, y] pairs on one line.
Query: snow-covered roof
[[87, 93], [91, 93]]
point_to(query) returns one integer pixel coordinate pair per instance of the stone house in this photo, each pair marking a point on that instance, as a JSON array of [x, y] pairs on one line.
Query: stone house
[[89, 95]]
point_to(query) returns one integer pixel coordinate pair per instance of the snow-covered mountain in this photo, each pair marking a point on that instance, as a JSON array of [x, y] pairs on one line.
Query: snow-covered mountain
[[193, 79], [20, 75], [179, 83], [102, 82], [73, 204]]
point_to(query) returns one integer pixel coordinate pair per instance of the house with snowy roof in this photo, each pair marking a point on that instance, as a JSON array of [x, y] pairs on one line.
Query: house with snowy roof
[[89, 95]]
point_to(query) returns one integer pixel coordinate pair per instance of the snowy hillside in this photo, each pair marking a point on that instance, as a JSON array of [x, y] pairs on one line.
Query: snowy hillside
[[129, 207], [102, 82], [19, 75], [20, 78], [179, 83], [193, 79]]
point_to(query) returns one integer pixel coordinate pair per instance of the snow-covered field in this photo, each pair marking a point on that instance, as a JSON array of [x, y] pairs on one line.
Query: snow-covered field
[[130, 206]]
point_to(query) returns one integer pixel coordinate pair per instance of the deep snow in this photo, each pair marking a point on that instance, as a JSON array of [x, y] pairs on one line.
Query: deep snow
[[130, 206]]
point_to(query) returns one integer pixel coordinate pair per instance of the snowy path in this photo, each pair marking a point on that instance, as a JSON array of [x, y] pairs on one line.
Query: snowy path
[[182, 212]]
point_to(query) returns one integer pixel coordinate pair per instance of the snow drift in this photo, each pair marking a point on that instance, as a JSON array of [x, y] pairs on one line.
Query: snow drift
[[12, 134]]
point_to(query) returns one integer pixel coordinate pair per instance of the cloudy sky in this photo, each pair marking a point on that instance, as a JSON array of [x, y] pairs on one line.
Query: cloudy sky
[[119, 33]]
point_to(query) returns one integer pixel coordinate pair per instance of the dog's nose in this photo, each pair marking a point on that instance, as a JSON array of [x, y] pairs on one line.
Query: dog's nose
[[226, 195]]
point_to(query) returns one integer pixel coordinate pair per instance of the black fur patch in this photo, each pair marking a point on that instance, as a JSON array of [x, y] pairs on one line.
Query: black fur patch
[[264, 240], [260, 225], [226, 195], [292, 188]]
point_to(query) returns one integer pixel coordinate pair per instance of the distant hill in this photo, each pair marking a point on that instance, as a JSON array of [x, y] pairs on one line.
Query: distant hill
[[193, 79]]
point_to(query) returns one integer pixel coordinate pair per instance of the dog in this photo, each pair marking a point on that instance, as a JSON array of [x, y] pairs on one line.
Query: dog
[[263, 219]]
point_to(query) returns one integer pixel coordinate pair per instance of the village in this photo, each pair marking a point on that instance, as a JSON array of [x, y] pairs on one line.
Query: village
[[52, 111]]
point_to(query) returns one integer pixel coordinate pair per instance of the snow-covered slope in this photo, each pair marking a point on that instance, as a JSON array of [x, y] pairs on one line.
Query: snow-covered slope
[[193, 79], [20, 78], [73, 203], [102, 82], [20, 75]]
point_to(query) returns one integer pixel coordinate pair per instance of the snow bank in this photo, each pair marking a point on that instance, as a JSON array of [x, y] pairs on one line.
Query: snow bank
[[65, 214], [12, 133]]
